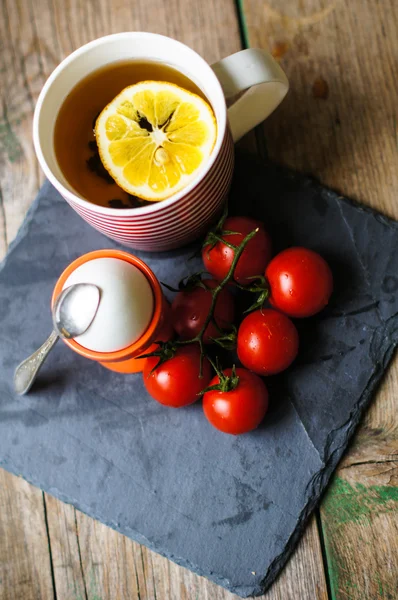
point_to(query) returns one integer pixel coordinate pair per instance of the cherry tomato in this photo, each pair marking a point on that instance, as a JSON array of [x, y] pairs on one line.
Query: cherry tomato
[[301, 282], [239, 410], [267, 342], [176, 382], [254, 259], [190, 309]]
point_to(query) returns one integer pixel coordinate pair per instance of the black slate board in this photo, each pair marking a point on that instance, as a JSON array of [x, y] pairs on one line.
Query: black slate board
[[230, 508]]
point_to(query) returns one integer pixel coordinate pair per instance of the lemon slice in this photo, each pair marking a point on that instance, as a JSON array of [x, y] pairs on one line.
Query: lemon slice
[[154, 137]]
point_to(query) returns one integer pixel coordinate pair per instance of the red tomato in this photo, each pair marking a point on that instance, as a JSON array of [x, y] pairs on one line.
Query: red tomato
[[301, 282], [267, 342], [176, 382], [255, 257], [239, 410], [190, 309]]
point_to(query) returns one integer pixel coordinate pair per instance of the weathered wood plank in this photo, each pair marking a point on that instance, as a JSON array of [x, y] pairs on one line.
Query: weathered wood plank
[[21, 80], [117, 567], [25, 568], [339, 119], [377, 437], [338, 123], [109, 562], [304, 576], [65, 549], [360, 521]]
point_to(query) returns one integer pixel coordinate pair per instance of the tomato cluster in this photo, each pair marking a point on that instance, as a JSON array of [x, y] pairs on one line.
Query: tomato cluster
[[298, 283]]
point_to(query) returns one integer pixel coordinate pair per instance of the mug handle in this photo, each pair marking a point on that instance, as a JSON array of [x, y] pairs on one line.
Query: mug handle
[[257, 82]]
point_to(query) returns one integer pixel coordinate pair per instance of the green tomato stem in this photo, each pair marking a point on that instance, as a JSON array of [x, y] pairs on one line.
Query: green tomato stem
[[167, 349], [215, 292]]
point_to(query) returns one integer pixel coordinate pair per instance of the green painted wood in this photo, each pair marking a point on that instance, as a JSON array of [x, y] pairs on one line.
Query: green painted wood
[[326, 126], [360, 526]]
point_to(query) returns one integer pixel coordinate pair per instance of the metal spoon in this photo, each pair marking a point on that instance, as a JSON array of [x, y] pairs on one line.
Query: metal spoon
[[73, 313]]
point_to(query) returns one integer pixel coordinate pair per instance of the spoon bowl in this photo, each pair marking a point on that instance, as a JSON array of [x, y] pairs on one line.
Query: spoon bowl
[[75, 309], [73, 312]]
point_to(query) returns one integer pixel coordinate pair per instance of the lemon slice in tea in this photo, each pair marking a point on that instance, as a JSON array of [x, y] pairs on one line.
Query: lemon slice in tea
[[154, 137]]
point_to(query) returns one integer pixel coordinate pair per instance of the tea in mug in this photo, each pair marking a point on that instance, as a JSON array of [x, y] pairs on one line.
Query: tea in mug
[[149, 160]]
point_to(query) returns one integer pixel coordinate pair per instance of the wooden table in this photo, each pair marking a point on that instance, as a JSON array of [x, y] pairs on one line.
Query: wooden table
[[338, 123]]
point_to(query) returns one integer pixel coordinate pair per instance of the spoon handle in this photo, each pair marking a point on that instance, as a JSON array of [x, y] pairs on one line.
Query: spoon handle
[[26, 372]]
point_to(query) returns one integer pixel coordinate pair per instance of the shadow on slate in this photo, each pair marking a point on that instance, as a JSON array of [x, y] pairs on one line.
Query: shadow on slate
[[230, 508]]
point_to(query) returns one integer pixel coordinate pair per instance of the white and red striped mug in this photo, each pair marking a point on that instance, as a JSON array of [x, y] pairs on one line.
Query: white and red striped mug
[[252, 77]]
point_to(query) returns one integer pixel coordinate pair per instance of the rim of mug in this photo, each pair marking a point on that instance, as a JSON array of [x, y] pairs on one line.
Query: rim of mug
[[155, 206], [137, 347]]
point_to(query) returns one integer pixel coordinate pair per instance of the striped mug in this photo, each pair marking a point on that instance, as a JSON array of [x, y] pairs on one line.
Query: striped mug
[[251, 81]]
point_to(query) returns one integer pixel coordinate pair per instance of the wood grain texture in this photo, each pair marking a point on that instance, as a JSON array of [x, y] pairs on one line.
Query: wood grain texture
[[116, 568], [89, 560], [25, 568], [303, 577], [339, 123], [339, 119], [377, 437], [65, 549], [360, 520]]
